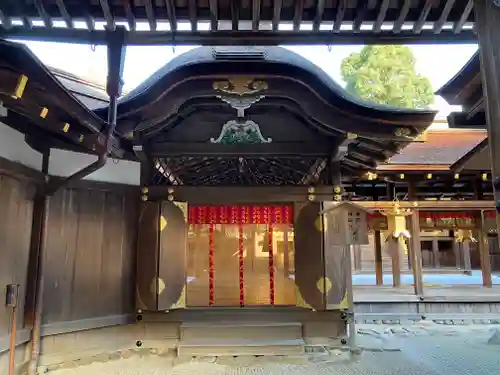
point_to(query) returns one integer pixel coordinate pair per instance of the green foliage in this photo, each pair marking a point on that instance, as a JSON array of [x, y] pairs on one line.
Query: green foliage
[[386, 75]]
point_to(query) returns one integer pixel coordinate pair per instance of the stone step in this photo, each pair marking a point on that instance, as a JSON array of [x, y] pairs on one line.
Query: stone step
[[217, 348], [258, 331]]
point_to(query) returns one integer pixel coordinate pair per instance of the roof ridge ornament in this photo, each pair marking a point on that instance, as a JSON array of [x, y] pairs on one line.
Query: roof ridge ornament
[[240, 85], [237, 132], [240, 103]]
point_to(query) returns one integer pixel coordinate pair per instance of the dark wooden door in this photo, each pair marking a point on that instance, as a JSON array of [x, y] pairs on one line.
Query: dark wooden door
[[147, 257], [336, 268], [172, 256], [309, 256]]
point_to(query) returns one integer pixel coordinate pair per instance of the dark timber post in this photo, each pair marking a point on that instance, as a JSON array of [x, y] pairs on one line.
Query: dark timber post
[[416, 245], [487, 14], [393, 245], [379, 270]]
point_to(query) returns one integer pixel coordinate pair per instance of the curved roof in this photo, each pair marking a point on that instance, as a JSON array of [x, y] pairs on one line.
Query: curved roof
[[452, 90], [204, 59]]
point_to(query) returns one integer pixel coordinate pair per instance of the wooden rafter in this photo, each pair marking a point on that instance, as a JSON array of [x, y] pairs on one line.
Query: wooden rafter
[[320, 9], [419, 25], [381, 15], [235, 14], [108, 16], [405, 9], [192, 15], [129, 14], [297, 14], [150, 15], [171, 14], [43, 13], [277, 4], [457, 27], [318, 12], [214, 15], [438, 26], [255, 14]]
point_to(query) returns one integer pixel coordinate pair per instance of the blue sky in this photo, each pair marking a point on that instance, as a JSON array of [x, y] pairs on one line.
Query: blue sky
[[438, 62]]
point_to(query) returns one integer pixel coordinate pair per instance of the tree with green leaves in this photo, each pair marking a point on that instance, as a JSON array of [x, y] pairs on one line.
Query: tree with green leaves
[[386, 75]]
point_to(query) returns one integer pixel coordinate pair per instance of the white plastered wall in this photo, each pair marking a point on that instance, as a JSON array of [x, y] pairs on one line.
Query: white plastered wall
[[64, 163], [13, 147]]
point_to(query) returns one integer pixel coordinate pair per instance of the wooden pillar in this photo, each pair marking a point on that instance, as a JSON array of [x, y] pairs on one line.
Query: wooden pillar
[[435, 254], [393, 244], [466, 254], [416, 244], [356, 256], [379, 273], [456, 251], [286, 255], [487, 17], [484, 250]]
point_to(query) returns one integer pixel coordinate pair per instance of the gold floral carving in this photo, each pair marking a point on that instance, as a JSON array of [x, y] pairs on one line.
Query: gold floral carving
[[240, 85], [463, 235], [181, 302], [163, 223], [300, 300], [324, 285], [402, 132], [184, 208]]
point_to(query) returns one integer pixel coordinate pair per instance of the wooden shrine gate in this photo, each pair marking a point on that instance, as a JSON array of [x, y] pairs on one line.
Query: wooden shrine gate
[[296, 264]]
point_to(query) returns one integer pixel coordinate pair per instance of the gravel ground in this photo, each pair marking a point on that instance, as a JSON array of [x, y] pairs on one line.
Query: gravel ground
[[423, 349]]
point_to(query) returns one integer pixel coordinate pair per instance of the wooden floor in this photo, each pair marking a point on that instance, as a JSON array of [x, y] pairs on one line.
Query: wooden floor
[[455, 293]]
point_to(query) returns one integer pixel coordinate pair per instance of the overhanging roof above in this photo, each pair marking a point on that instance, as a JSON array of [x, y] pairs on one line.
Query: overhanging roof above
[[241, 22]]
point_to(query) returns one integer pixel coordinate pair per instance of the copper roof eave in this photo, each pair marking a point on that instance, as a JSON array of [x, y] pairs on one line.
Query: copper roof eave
[[413, 167], [460, 163], [452, 90], [82, 128]]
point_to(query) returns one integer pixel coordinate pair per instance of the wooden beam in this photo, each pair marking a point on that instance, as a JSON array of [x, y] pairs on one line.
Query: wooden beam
[[230, 38], [429, 205], [259, 150], [236, 194], [487, 20]]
